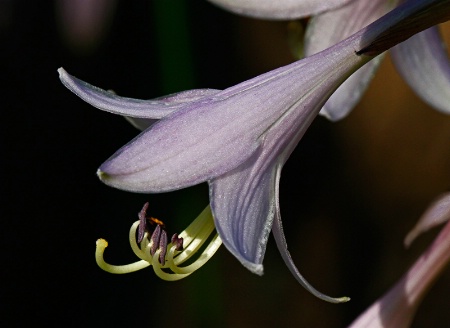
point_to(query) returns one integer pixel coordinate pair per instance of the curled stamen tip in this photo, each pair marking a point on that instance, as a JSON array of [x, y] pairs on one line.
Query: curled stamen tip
[[335, 300], [101, 243], [342, 299]]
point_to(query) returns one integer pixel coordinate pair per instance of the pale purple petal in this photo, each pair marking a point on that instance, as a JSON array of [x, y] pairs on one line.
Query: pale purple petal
[[214, 135], [423, 62], [436, 214], [279, 9], [242, 203], [327, 29], [244, 200], [280, 239], [174, 154], [110, 102], [398, 306]]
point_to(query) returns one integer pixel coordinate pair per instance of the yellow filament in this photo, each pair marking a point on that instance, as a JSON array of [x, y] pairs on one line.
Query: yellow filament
[[117, 269], [165, 275], [202, 259], [196, 236]]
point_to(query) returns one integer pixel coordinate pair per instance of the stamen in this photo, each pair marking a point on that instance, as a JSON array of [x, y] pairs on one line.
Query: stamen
[[142, 222], [177, 241], [155, 239], [163, 247], [117, 269], [153, 248]]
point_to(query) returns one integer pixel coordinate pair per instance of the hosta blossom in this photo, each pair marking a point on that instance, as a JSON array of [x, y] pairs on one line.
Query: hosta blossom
[[422, 60], [398, 306], [237, 140]]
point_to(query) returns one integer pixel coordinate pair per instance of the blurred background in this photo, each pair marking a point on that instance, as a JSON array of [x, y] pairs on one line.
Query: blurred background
[[349, 193]]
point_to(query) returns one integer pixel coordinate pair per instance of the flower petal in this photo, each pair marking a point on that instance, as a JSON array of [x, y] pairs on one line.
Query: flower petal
[[280, 239], [242, 202], [213, 135], [110, 102], [423, 62], [279, 9], [398, 306], [190, 146], [327, 29], [437, 213]]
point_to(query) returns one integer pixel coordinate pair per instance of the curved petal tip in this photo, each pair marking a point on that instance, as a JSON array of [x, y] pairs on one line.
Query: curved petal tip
[[101, 175], [436, 214], [104, 177], [254, 268]]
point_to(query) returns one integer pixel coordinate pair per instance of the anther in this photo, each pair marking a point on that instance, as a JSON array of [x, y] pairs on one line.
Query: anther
[[155, 239], [177, 242], [142, 223], [163, 246]]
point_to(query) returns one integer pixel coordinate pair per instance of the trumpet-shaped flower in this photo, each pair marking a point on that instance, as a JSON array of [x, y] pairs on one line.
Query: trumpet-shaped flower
[[398, 306], [238, 139], [422, 61]]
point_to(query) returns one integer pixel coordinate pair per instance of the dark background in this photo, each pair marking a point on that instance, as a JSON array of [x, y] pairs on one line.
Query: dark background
[[349, 193]]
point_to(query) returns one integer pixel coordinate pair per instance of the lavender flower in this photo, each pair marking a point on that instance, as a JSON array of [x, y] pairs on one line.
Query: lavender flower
[[237, 140], [422, 61], [398, 306]]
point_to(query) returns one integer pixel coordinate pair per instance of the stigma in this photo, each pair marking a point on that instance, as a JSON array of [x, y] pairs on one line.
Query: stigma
[[149, 242]]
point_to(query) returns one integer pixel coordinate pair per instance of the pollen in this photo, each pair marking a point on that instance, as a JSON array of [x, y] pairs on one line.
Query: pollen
[[192, 248], [158, 222]]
